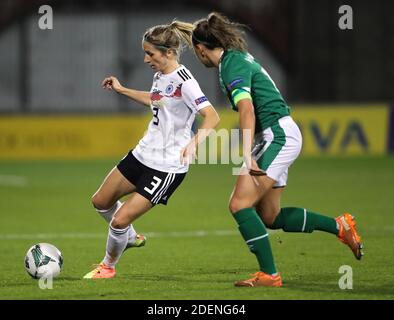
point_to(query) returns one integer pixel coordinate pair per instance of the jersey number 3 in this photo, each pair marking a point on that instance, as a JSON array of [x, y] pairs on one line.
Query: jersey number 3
[[156, 115], [154, 185]]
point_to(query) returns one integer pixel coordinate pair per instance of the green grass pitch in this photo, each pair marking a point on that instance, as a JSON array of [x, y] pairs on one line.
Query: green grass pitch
[[194, 250]]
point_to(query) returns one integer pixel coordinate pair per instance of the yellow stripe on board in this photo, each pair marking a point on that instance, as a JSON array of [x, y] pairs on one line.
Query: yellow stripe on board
[[69, 137], [336, 130], [343, 129], [327, 130]]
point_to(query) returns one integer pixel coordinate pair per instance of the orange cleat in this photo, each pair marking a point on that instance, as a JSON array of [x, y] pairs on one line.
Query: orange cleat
[[101, 272], [348, 234], [261, 279]]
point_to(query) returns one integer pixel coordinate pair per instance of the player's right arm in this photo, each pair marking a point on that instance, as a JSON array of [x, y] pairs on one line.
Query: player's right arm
[[247, 122], [112, 83]]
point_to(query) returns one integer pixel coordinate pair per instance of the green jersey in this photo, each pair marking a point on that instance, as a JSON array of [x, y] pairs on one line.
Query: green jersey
[[242, 76]]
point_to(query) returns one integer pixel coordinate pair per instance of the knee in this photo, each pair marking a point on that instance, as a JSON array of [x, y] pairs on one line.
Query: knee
[[100, 203], [118, 222], [269, 221], [236, 205], [268, 216]]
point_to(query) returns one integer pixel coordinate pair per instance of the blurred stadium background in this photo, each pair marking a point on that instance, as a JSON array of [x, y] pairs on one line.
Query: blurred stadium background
[[312, 61], [310, 58], [60, 132]]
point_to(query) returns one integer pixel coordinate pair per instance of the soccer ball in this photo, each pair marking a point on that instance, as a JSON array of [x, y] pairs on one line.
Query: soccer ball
[[43, 260]]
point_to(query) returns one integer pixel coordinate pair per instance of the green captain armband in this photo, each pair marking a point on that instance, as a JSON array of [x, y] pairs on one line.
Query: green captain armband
[[239, 94]]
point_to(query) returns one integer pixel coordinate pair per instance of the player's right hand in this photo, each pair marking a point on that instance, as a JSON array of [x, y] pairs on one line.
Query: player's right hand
[[110, 83], [254, 169]]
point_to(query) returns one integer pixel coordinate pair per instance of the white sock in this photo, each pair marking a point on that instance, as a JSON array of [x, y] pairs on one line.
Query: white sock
[[132, 234], [116, 243], [109, 213]]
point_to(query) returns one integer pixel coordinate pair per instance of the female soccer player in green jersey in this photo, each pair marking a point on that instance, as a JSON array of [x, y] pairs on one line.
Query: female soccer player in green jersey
[[271, 143]]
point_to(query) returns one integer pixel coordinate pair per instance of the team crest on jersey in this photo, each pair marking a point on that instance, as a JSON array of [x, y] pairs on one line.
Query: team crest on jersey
[[169, 89], [171, 93]]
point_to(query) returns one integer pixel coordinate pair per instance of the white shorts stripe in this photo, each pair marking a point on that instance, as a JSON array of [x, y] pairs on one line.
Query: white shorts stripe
[[257, 238], [171, 180], [303, 226], [167, 180], [162, 187]]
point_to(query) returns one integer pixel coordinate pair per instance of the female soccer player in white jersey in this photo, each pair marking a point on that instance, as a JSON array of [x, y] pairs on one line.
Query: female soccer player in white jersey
[[255, 201], [158, 164]]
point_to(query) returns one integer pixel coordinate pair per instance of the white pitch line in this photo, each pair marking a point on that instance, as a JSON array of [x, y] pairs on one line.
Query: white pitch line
[[13, 181], [170, 234], [173, 234]]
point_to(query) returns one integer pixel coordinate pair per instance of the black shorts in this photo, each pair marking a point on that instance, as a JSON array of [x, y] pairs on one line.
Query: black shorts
[[156, 186]]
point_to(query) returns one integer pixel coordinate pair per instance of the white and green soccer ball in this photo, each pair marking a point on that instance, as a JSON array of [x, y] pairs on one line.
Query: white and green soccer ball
[[43, 260]]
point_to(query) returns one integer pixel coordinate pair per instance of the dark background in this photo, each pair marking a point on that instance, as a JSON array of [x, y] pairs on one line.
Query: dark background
[[313, 60]]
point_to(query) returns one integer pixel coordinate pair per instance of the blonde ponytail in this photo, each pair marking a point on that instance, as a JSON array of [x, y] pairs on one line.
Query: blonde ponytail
[[175, 36]]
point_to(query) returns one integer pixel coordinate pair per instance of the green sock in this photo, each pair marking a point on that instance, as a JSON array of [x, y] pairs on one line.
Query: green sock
[[254, 233], [301, 220]]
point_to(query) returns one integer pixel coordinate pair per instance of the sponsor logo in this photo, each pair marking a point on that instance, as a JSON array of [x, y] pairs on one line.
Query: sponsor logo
[[200, 100], [233, 83]]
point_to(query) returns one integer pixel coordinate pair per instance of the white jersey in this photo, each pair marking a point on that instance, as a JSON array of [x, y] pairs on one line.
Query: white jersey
[[176, 97]]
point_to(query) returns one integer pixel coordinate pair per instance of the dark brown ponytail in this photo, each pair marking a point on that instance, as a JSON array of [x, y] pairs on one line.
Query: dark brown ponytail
[[217, 31]]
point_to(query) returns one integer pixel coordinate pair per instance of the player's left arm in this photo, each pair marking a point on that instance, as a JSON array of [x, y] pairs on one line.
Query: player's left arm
[[196, 100], [210, 121]]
